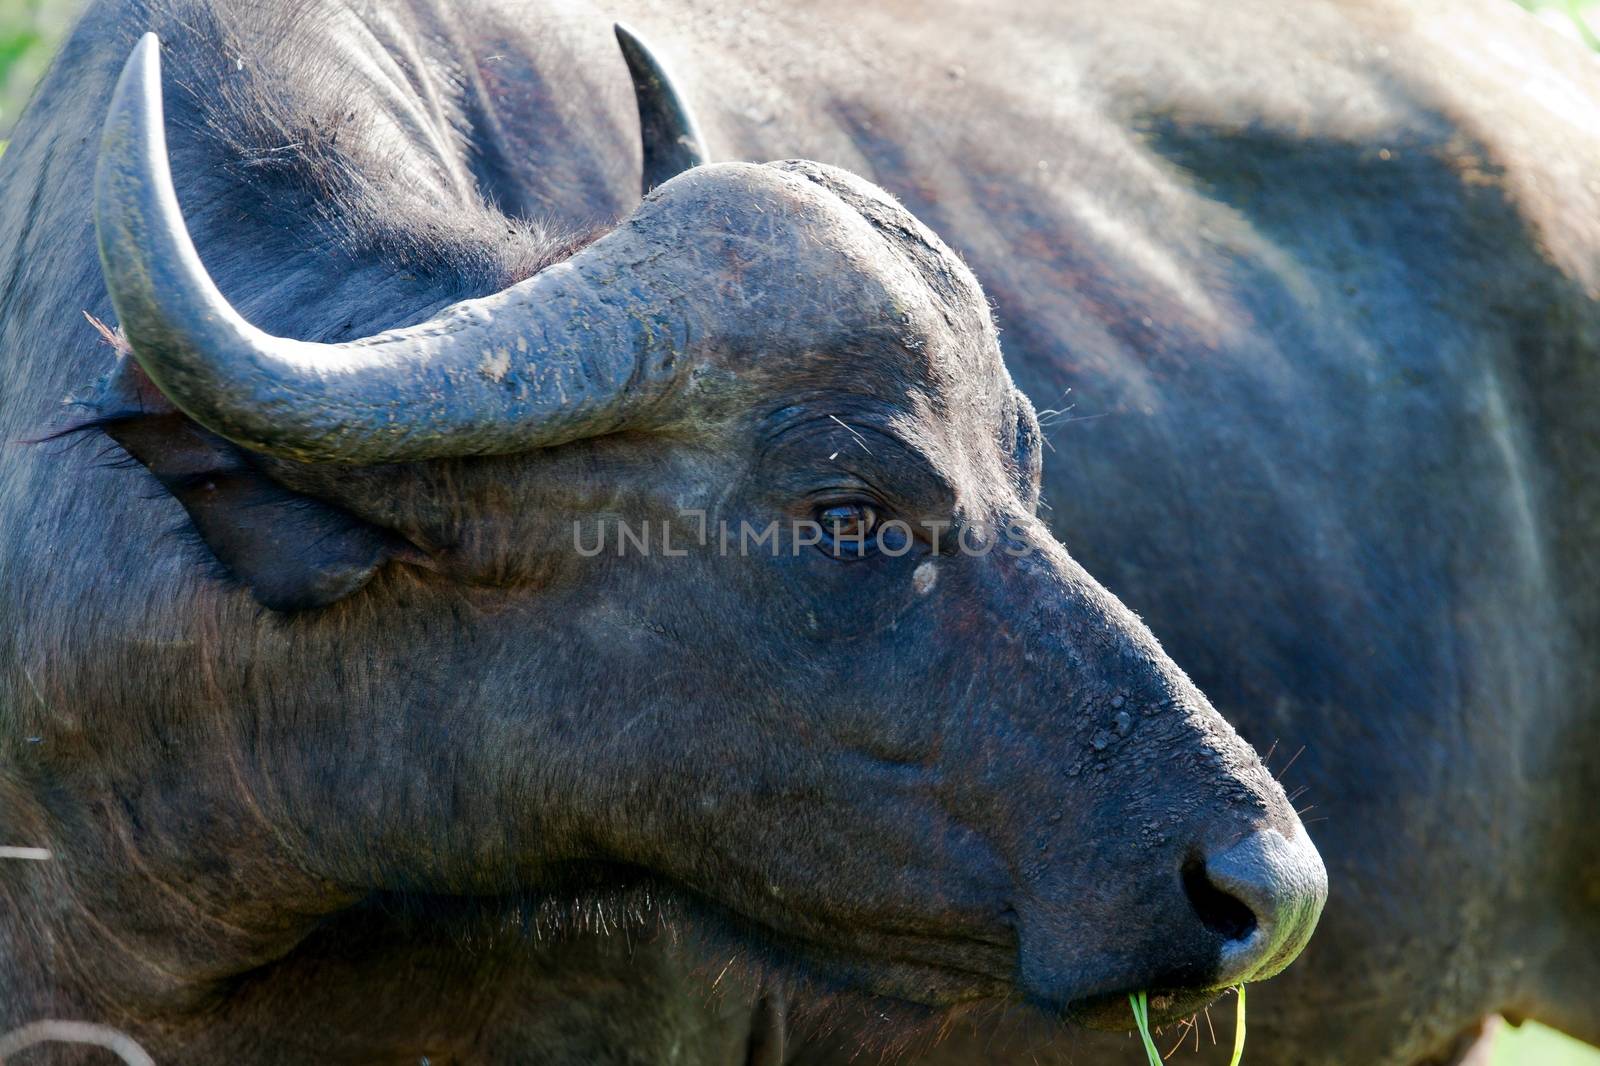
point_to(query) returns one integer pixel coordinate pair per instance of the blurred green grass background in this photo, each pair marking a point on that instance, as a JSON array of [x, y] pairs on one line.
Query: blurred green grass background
[[1534, 1045], [30, 30]]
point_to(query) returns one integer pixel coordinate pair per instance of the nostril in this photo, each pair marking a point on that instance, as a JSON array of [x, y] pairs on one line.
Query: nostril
[[1223, 913], [1262, 895]]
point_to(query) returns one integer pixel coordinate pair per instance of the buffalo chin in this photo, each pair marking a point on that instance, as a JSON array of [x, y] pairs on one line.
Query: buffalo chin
[[891, 1004]]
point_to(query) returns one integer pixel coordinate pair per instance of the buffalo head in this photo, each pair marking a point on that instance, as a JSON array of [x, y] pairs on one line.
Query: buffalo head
[[712, 559]]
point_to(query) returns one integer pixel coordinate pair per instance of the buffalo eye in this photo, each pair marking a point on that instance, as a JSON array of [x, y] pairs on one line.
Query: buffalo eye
[[847, 526]]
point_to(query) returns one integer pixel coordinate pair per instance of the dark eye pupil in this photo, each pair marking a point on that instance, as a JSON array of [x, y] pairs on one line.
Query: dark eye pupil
[[847, 521]]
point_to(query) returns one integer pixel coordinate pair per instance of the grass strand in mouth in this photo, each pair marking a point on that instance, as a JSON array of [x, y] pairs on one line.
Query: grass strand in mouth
[[1140, 1001], [1238, 1031], [1141, 1018]]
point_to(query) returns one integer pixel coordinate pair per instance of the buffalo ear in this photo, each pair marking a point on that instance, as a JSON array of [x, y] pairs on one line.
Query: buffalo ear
[[293, 551]]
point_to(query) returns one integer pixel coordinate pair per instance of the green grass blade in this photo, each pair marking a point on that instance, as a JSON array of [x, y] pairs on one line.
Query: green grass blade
[[1238, 1032], [1141, 1017]]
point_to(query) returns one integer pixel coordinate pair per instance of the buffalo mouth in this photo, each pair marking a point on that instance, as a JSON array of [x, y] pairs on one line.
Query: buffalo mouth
[[910, 981], [911, 993], [906, 985], [1111, 1011]]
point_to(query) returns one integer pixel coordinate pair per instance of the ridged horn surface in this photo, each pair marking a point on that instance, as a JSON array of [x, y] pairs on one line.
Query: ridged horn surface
[[581, 348]]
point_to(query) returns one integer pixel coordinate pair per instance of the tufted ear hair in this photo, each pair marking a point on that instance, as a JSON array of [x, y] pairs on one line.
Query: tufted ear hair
[[294, 552]]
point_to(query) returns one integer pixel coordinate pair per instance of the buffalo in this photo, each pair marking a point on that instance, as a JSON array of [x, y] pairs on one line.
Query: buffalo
[[347, 748], [903, 747]]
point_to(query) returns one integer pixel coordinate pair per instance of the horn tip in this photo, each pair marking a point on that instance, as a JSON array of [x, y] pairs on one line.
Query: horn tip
[[146, 53], [642, 63], [141, 74], [672, 139]]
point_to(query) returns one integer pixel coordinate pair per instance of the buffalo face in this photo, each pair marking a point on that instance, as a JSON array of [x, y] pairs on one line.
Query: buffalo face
[[731, 519]]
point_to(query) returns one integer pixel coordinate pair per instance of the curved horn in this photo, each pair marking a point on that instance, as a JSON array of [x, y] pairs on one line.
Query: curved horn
[[672, 140], [579, 349]]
